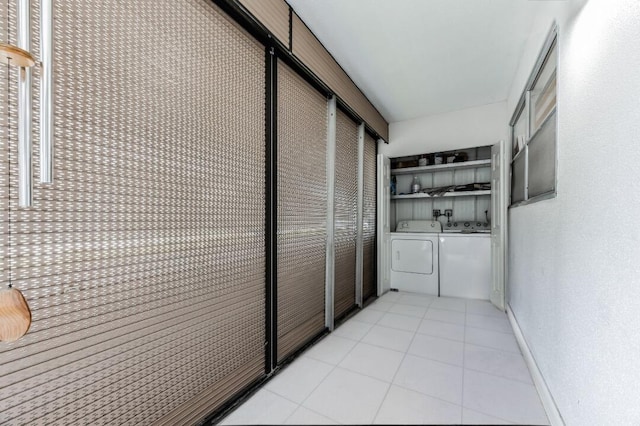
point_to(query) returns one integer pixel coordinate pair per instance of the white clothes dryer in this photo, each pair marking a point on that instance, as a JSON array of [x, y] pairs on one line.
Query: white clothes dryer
[[414, 256]]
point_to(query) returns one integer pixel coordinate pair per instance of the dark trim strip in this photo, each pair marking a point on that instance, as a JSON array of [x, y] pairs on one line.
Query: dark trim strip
[[310, 342], [346, 315], [274, 208], [344, 108], [290, 29], [246, 20], [242, 396], [271, 214], [268, 284], [234, 402], [374, 268]]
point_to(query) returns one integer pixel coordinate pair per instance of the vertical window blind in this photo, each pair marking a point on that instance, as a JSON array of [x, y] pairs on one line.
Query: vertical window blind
[[144, 264], [302, 210], [369, 287], [346, 196]]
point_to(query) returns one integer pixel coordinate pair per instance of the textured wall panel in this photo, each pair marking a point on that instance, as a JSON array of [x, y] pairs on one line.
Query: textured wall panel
[[369, 219], [302, 210], [312, 53], [346, 197], [144, 263]]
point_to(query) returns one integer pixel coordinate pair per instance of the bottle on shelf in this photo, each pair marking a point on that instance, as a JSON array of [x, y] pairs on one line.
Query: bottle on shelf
[[415, 185]]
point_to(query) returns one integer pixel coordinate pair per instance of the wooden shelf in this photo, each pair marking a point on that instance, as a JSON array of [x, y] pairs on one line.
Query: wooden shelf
[[15, 56], [442, 167], [447, 194]]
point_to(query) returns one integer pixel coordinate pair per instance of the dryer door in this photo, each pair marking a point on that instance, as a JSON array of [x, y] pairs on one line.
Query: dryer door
[[415, 256]]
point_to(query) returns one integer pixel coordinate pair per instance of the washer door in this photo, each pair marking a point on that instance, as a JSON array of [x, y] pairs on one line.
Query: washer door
[[414, 256]]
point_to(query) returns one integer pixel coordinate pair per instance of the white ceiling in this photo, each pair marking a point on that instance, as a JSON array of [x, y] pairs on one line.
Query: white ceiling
[[413, 58]]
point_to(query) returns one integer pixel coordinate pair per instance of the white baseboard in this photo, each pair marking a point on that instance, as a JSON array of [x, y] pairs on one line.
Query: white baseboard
[[553, 414]]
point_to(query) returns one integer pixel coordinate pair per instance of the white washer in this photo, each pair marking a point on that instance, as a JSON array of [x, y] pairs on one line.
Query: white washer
[[414, 256], [465, 265]]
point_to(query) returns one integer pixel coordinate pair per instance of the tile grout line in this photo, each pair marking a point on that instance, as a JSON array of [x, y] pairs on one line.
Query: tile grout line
[[427, 357], [464, 342], [263, 388], [313, 411], [488, 316], [492, 415], [441, 337], [386, 326], [444, 338], [491, 347], [329, 373], [398, 369], [490, 329], [501, 377], [377, 346], [334, 367], [464, 368], [405, 353], [415, 333], [284, 397], [429, 395]]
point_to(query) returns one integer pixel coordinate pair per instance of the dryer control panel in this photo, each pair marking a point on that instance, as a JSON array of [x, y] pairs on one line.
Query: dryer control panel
[[431, 226]]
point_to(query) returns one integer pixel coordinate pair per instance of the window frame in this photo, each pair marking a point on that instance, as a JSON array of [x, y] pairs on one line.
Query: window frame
[[523, 106]]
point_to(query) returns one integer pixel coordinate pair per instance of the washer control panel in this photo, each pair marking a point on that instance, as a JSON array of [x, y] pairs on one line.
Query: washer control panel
[[467, 226]]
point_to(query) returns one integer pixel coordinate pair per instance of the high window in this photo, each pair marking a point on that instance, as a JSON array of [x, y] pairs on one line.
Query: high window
[[533, 131]]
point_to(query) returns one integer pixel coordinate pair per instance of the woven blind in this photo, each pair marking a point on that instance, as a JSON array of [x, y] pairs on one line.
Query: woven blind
[[346, 204], [302, 210], [313, 54], [273, 14], [144, 263], [369, 219]]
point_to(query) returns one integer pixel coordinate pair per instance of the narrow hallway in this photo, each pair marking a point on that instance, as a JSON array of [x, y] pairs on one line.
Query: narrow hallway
[[405, 359]]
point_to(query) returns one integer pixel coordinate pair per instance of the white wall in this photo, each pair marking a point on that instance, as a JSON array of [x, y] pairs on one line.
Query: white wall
[[478, 126], [574, 267]]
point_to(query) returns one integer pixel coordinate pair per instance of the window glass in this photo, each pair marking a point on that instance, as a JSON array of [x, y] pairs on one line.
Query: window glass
[[542, 159], [543, 93], [533, 130], [517, 179]]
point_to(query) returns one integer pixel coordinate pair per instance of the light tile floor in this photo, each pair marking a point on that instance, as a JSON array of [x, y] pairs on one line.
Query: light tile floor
[[405, 359]]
